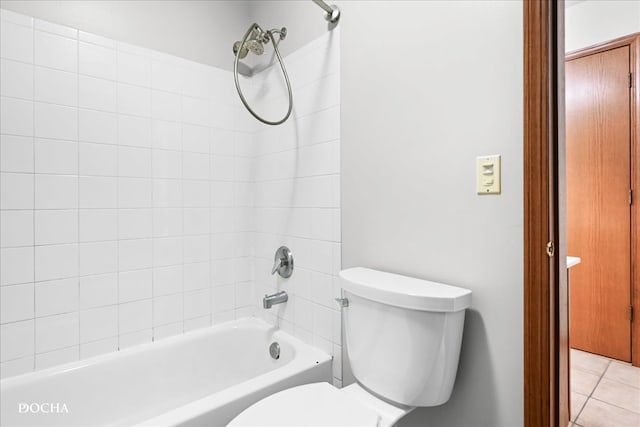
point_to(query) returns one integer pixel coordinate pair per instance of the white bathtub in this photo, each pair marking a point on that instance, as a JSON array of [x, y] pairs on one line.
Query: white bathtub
[[203, 378]]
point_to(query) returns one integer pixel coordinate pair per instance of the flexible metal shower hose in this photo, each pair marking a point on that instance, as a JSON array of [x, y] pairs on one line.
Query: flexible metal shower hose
[[284, 71]]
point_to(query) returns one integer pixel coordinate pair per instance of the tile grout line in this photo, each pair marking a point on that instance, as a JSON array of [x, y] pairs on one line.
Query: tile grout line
[[584, 405]]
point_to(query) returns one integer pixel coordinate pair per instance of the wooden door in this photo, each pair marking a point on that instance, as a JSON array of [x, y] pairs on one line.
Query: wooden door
[[598, 120]]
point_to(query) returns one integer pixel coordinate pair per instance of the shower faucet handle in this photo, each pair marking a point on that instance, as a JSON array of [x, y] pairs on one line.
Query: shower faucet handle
[[283, 262]]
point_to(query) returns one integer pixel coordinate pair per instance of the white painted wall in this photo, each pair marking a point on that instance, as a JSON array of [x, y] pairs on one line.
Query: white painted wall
[[202, 31], [427, 87], [595, 21]]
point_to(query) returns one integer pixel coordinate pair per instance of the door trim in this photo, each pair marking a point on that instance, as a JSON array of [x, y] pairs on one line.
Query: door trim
[[546, 374], [545, 400]]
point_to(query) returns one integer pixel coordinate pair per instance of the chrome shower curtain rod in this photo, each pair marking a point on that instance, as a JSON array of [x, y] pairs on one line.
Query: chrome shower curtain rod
[[332, 12]]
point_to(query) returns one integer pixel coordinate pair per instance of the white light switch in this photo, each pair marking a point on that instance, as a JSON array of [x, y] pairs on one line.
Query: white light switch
[[488, 174]]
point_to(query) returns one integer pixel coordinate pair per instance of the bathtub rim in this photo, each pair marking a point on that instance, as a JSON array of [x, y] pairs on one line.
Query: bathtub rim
[[301, 349]]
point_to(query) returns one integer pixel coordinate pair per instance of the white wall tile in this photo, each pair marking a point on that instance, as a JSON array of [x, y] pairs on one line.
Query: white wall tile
[[196, 221], [16, 116], [56, 297], [57, 357], [98, 323], [97, 61], [196, 276], [96, 348], [135, 254], [168, 330], [167, 309], [96, 93], [195, 165], [167, 193], [167, 280], [135, 193], [167, 251], [196, 138], [56, 157], [97, 126], [56, 87], [16, 340], [98, 159], [56, 262], [134, 69], [134, 162], [197, 303], [134, 100], [16, 265], [135, 223], [56, 191], [166, 135], [196, 248], [135, 316], [16, 79], [55, 121], [56, 332], [166, 76], [98, 225], [135, 285], [16, 154], [56, 226], [98, 291], [223, 298], [166, 221], [51, 50], [165, 106], [195, 111], [195, 194], [167, 164], [17, 191], [98, 192], [16, 302], [16, 42], [134, 131], [98, 258], [135, 338], [17, 228]]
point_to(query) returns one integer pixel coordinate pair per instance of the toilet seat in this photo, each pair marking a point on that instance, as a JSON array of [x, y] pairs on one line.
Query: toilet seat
[[318, 404]]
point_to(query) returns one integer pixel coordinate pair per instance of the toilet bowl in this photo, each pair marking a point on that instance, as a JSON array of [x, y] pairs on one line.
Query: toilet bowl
[[403, 338], [321, 404]]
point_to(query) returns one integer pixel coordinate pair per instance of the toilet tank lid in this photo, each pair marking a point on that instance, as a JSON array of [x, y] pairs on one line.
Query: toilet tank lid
[[403, 291]]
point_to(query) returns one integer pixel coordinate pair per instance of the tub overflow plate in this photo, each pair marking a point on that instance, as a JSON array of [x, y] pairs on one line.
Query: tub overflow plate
[[274, 350]]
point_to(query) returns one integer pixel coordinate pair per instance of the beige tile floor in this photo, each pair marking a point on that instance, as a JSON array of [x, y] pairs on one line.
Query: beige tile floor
[[604, 392]]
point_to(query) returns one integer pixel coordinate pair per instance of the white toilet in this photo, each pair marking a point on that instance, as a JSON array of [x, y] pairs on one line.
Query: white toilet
[[403, 339]]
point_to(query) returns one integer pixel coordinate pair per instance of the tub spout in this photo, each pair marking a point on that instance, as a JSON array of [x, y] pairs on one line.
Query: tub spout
[[278, 298]]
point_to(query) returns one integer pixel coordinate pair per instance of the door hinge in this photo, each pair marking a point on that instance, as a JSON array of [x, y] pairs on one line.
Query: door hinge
[[630, 80], [631, 313], [630, 197], [550, 249]]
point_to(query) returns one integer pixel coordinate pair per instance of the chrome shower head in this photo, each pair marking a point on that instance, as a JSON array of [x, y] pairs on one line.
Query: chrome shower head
[[254, 43]]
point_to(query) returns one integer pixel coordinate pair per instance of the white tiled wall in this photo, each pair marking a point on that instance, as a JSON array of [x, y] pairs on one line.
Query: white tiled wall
[[297, 195], [125, 206], [140, 200]]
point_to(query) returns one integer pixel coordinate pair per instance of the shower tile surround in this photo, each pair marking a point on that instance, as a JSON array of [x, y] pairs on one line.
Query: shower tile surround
[[140, 200]]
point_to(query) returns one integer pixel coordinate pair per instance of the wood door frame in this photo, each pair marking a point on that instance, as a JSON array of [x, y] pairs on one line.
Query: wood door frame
[[633, 41], [544, 380], [546, 374]]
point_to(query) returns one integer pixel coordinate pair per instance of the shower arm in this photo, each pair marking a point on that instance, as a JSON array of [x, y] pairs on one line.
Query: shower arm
[[332, 12]]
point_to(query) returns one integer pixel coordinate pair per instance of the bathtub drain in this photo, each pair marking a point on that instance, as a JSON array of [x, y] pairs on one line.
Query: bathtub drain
[[274, 350]]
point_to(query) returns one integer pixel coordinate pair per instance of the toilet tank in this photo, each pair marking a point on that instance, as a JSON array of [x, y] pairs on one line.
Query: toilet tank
[[403, 335]]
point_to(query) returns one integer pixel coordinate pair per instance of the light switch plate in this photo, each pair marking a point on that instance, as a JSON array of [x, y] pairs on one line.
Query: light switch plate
[[488, 174]]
